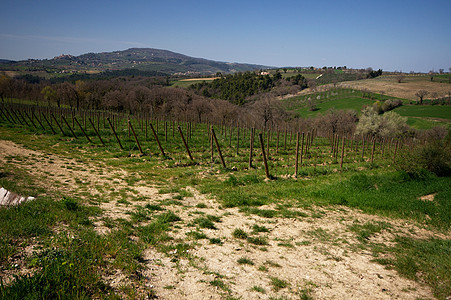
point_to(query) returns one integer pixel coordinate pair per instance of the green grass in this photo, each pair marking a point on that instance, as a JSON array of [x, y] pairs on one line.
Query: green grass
[[207, 222], [393, 194], [425, 111], [348, 103], [367, 230], [374, 188], [239, 234], [245, 261], [278, 284], [342, 99], [426, 123], [425, 260]]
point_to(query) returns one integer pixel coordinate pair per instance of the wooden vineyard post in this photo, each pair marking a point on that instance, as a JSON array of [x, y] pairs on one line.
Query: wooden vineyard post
[[82, 130], [3, 118], [70, 128], [342, 152], [165, 131], [267, 143], [115, 134], [237, 140], [217, 146], [277, 143], [251, 147], [363, 145], [332, 144], [173, 126], [396, 150], [136, 138], [184, 143], [48, 123], [96, 131], [31, 120], [23, 118], [18, 119], [297, 155], [40, 123], [158, 141], [302, 147], [260, 136], [210, 135], [372, 150], [59, 126], [285, 141], [6, 116]]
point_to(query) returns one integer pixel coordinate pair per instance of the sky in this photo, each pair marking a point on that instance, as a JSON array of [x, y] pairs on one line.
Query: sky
[[394, 35]]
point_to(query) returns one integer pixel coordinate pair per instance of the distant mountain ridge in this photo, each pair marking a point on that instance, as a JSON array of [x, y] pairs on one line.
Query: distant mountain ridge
[[144, 59]]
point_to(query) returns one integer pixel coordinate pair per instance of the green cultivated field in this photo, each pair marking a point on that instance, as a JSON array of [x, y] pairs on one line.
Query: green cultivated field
[[425, 111]]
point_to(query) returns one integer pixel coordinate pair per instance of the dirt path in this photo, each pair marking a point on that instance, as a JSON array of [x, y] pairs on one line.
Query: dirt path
[[315, 255]]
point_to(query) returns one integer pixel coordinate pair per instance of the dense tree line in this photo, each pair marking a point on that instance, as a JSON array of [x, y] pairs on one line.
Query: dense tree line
[[151, 96], [240, 87]]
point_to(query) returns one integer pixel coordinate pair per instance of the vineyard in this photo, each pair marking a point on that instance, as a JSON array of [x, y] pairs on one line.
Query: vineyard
[[139, 206], [281, 152]]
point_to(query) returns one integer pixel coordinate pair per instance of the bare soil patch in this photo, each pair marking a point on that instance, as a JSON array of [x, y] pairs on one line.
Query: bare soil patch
[[406, 89], [389, 85], [200, 79], [315, 255]]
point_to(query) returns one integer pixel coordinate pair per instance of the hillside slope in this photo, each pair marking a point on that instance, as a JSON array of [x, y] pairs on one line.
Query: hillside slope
[[145, 59]]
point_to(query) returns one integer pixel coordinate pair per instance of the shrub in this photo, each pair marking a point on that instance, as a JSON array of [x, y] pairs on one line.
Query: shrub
[[434, 157]]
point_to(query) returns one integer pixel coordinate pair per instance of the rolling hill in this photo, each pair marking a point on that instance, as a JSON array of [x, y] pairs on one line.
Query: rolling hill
[[143, 59]]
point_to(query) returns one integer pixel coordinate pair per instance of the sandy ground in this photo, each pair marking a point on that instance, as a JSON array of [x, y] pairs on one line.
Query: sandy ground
[[315, 255]]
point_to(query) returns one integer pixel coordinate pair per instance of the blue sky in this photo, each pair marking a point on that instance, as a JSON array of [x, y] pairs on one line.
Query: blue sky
[[410, 35]]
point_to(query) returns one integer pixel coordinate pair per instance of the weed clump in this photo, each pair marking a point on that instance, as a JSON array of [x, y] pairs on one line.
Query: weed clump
[[70, 204], [239, 234]]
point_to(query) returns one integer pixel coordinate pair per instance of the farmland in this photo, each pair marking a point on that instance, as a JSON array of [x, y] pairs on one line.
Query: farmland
[[342, 221], [252, 186]]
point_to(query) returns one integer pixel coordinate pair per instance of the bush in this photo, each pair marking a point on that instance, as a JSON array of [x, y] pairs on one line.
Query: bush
[[434, 157]]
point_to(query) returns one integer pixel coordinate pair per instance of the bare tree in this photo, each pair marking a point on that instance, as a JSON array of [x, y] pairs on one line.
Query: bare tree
[[312, 84], [201, 107], [138, 97], [337, 121], [421, 94], [400, 77], [266, 111]]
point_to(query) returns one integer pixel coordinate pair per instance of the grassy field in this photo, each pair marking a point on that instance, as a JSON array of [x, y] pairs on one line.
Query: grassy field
[[348, 103], [425, 111], [111, 223], [419, 116], [345, 99]]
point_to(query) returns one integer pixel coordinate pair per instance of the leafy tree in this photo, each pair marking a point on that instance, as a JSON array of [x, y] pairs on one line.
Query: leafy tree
[[374, 74], [5, 82], [389, 124], [50, 95]]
